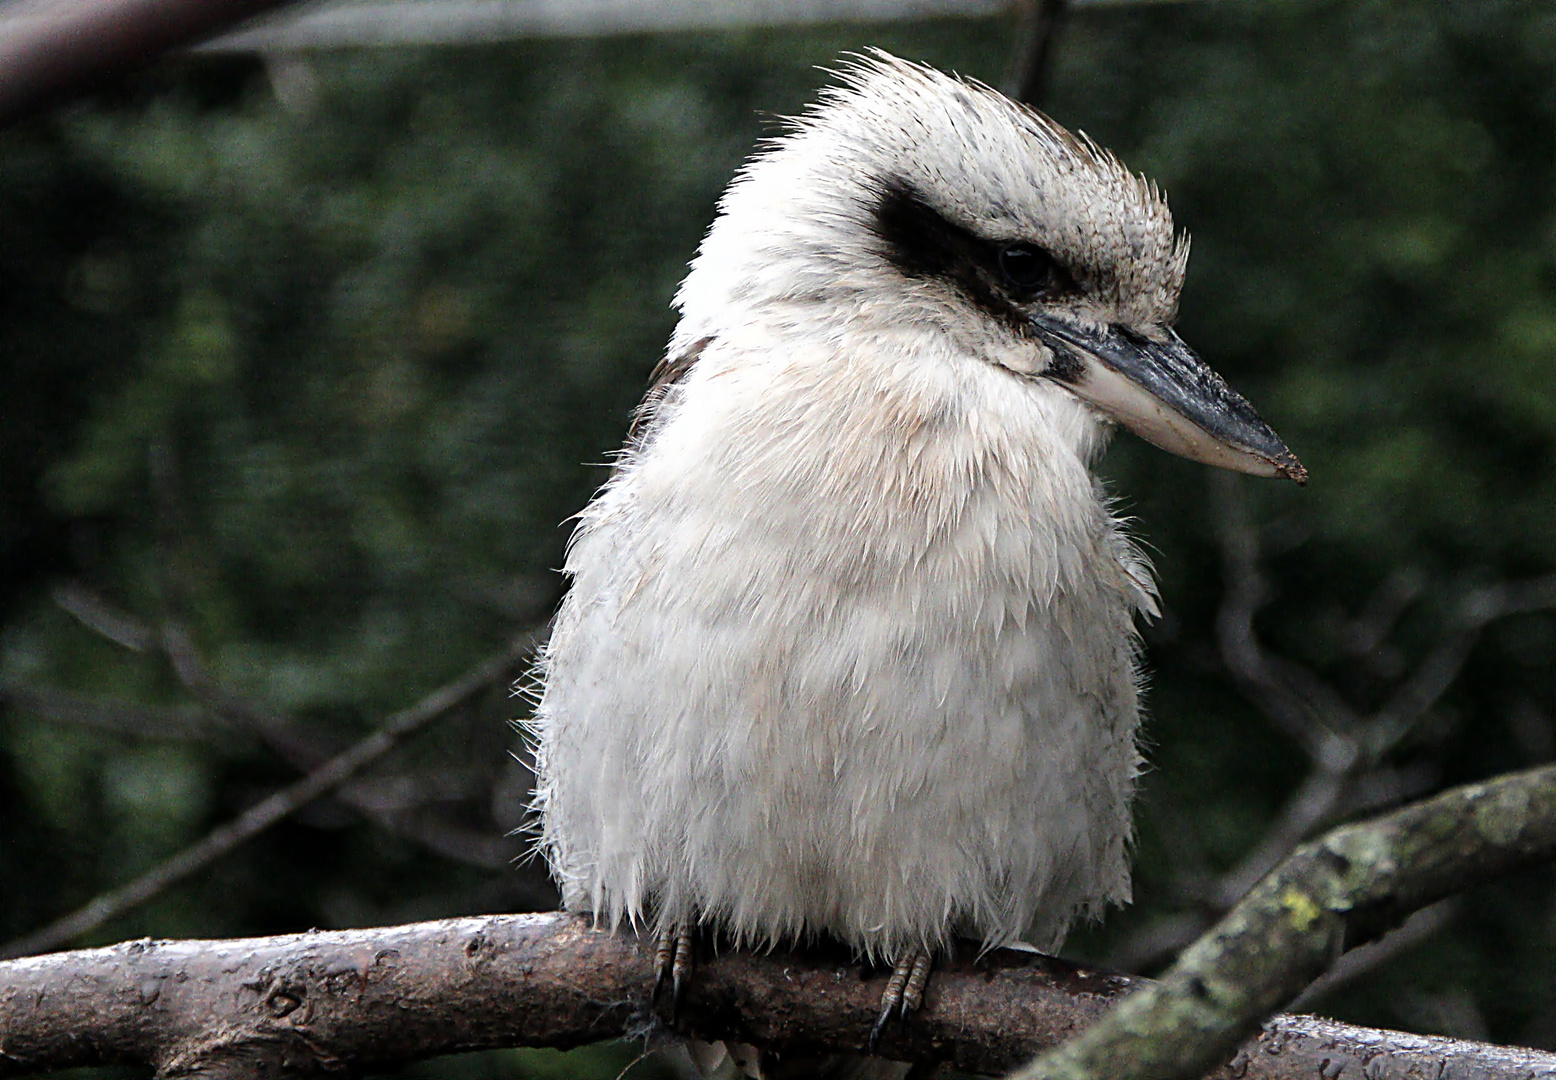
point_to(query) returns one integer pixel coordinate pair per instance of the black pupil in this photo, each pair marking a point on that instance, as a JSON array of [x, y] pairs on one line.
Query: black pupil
[[1026, 267]]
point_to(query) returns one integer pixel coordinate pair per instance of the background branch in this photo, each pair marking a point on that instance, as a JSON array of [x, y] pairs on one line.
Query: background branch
[[308, 751], [395, 803], [1038, 23], [1362, 960], [272, 809], [178, 722], [1347, 747]]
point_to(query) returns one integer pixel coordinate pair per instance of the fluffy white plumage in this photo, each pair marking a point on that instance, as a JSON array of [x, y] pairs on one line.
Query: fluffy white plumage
[[849, 646]]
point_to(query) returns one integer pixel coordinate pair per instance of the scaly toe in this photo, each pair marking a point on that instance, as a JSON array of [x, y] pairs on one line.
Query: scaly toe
[[664, 952], [904, 991], [913, 989], [673, 962], [680, 968]]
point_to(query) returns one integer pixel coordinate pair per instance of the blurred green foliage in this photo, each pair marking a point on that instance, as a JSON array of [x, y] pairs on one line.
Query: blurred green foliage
[[318, 355]]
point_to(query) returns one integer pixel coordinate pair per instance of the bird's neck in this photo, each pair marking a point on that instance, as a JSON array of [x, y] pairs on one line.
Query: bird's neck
[[891, 427]]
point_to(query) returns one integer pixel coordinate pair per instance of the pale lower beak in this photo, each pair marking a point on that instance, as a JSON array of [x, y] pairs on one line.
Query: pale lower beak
[[1165, 394]]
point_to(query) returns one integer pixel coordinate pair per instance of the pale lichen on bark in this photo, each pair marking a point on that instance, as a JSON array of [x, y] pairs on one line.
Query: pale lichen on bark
[[1332, 894]]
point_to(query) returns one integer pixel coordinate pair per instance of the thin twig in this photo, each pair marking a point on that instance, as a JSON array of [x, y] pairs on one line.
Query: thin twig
[[303, 749], [1265, 684], [97, 614], [261, 816], [1366, 634], [227, 712], [1360, 962]]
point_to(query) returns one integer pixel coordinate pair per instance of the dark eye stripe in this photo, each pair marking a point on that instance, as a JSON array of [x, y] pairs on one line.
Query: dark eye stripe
[[996, 276]]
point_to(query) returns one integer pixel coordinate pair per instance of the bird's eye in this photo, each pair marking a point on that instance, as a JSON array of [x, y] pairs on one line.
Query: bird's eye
[[1028, 269]]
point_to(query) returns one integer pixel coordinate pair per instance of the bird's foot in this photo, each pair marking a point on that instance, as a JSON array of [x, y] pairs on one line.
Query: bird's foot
[[904, 991], [673, 960]]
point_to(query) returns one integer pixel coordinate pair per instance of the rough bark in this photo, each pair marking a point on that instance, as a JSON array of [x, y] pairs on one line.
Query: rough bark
[[321, 1002], [1336, 892]]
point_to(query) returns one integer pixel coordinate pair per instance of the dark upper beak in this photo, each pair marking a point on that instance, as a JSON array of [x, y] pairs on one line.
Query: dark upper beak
[[1165, 394]]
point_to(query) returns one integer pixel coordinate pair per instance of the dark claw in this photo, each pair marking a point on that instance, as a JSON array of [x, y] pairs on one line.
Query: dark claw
[[892, 999], [880, 1026], [904, 992], [680, 970], [913, 990]]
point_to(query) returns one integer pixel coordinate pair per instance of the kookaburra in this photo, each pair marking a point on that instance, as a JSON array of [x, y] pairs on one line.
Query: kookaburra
[[850, 647]]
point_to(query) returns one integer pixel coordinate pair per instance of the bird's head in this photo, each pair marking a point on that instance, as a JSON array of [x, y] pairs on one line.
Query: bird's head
[[914, 196]]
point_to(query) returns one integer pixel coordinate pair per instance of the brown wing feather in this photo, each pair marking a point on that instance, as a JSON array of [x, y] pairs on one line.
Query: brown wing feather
[[671, 369]]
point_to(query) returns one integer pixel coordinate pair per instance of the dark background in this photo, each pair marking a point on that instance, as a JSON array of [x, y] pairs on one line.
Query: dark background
[[312, 357]]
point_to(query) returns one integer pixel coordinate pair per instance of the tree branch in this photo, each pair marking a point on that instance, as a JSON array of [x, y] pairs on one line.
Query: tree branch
[[51, 48], [307, 1004], [1345, 888]]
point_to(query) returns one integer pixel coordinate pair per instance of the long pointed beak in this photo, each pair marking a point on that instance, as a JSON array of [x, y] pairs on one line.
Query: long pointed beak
[[1167, 395]]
